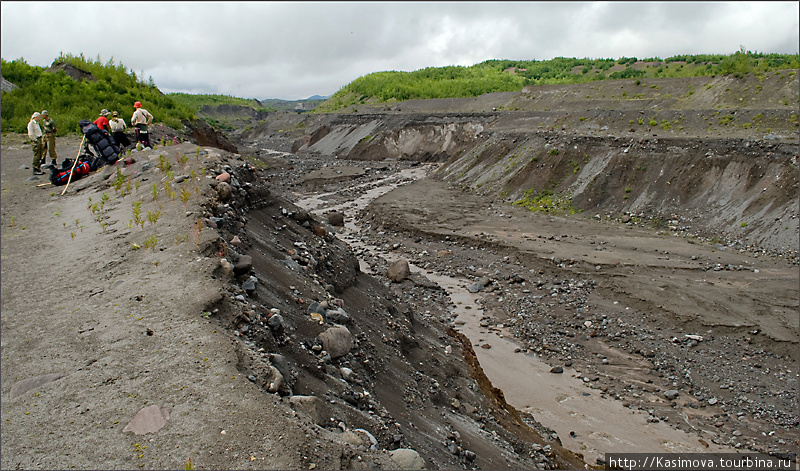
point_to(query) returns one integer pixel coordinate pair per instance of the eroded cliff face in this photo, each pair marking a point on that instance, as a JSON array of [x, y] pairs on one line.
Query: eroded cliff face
[[703, 157]]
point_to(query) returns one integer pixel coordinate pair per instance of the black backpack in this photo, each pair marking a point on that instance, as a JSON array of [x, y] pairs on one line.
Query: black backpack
[[101, 140]]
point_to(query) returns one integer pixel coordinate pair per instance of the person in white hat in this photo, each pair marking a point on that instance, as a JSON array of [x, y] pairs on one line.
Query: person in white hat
[[36, 136]]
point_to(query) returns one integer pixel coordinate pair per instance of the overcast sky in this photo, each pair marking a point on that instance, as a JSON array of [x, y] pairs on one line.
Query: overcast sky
[[293, 50]]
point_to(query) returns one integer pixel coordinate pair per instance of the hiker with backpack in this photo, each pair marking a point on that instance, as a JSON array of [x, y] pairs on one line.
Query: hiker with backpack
[[140, 120]]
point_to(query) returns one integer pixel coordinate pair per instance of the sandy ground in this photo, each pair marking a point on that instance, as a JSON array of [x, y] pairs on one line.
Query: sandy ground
[[94, 330]]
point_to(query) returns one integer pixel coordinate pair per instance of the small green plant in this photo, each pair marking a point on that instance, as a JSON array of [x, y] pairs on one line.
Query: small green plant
[[653, 122], [196, 230], [13, 221], [152, 217], [103, 199], [137, 214], [553, 152], [743, 224], [154, 192], [163, 164], [627, 190], [150, 242], [185, 195], [640, 121], [119, 180]]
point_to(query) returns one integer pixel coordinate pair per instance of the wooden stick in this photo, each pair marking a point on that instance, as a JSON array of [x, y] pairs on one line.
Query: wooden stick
[[73, 166]]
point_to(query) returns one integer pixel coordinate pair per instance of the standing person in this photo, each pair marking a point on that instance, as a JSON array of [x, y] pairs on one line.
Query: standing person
[[37, 138], [102, 121], [49, 129], [140, 120], [118, 131]]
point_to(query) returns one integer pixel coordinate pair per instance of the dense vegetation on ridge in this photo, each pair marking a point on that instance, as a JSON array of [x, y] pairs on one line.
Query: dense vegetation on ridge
[[510, 75], [69, 100], [114, 87]]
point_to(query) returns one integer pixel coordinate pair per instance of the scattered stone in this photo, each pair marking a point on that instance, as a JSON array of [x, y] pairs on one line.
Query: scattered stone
[[347, 373], [557, 369], [338, 316], [275, 322], [148, 420], [671, 394], [223, 177], [249, 286]]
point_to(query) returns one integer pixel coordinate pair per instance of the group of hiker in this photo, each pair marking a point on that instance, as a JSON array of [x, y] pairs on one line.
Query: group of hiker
[[44, 137]]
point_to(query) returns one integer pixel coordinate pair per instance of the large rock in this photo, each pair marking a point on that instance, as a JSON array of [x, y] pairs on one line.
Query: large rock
[[406, 458], [243, 265], [337, 341], [224, 191], [398, 270], [336, 219]]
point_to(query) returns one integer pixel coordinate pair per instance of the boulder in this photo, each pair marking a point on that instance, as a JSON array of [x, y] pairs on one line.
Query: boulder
[[224, 192], [398, 270], [243, 265], [336, 219], [406, 458], [337, 341]]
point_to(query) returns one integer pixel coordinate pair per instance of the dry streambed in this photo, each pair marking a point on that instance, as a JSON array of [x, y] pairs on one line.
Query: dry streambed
[[586, 420]]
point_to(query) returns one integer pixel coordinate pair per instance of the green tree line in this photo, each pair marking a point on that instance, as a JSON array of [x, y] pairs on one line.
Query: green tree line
[[511, 75], [69, 100]]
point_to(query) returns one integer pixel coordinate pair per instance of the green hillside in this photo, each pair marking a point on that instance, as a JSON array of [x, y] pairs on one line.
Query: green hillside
[[510, 75], [69, 100], [197, 101]]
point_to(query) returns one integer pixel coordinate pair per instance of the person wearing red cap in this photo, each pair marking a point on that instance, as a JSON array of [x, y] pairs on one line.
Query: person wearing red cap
[[140, 120]]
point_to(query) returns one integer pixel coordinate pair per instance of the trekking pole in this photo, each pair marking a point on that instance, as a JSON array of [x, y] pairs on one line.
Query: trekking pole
[[73, 166]]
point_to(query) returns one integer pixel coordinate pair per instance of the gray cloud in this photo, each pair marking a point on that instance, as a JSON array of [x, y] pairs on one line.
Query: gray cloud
[[292, 50]]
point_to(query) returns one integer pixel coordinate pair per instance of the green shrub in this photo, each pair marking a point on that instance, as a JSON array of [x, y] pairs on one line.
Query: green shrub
[[69, 100]]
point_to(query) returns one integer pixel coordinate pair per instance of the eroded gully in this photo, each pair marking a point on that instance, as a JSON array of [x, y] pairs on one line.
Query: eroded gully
[[585, 422]]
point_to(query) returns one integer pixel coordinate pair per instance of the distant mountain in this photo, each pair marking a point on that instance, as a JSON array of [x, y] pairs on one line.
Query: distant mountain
[[318, 97]]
